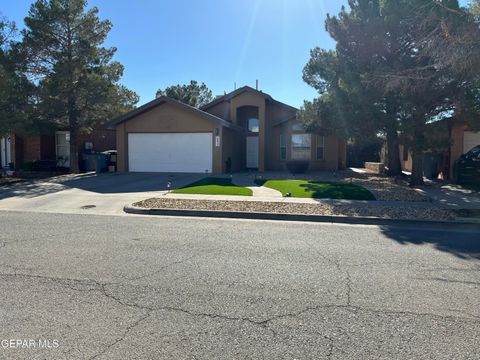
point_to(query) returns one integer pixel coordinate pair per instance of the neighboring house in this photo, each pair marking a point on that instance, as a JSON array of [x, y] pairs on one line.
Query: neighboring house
[[245, 129], [50, 150], [461, 139]]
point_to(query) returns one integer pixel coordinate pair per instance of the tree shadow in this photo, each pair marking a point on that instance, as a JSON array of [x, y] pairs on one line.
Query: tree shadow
[[29, 190], [100, 183], [337, 190], [462, 241]]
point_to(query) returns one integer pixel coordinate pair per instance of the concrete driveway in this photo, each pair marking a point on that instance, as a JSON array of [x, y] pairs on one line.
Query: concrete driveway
[[89, 193]]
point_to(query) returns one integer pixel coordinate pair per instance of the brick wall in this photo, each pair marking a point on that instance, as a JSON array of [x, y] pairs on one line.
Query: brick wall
[[32, 148], [102, 139]]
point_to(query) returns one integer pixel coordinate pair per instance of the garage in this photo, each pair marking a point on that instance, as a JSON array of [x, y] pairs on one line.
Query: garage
[[470, 140], [170, 152], [165, 135]]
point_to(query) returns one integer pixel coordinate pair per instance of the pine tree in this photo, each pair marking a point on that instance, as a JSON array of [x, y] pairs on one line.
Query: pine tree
[[77, 79]]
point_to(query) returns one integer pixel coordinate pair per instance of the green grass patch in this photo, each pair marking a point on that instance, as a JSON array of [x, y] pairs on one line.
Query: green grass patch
[[214, 186], [318, 189]]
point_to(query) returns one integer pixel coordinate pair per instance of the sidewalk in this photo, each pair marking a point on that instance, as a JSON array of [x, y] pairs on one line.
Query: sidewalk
[[453, 197], [264, 197], [446, 196]]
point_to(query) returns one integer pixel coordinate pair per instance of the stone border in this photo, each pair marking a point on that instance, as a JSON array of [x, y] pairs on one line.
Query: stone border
[[334, 219]]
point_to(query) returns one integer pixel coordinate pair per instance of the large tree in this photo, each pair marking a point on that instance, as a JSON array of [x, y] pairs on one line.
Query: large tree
[[78, 83], [193, 94], [15, 89], [438, 72], [394, 63], [349, 105]]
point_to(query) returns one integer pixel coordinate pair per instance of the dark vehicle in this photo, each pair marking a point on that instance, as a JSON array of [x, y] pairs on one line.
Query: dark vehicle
[[467, 168]]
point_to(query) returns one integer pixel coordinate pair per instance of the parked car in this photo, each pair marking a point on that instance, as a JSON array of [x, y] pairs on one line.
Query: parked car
[[467, 168]]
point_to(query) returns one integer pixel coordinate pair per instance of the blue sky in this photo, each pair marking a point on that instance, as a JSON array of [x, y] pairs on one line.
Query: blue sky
[[219, 42]]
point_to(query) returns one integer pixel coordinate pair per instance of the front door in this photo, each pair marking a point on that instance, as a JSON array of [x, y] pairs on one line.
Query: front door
[[252, 152]]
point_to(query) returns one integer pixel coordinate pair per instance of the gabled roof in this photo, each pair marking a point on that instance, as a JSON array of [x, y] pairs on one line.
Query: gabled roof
[[164, 99], [241, 90], [281, 121]]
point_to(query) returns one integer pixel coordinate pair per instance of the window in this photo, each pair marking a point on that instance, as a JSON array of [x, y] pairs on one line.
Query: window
[[405, 153], [283, 147], [297, 127], [62, 143], [320, 147], [253, 125], [301, 147]]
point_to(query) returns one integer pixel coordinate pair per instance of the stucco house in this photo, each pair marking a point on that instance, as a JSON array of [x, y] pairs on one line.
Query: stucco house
[[459, 138], [244, 129]]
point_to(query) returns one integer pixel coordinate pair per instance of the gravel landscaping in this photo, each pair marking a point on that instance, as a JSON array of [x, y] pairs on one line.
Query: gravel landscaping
[[10, 181], [390, 189], [389, 212]]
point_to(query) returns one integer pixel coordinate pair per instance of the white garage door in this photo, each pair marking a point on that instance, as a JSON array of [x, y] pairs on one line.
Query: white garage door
[[170, 152], [470, 140]]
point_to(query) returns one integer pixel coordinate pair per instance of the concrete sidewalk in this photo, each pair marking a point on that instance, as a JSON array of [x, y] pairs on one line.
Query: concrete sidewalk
[[267, 198], [109, 193], [453, 196], [446, 196]]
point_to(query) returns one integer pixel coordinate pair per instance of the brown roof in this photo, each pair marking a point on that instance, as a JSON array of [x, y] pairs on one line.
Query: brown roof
[[162, 100], [241, 90]]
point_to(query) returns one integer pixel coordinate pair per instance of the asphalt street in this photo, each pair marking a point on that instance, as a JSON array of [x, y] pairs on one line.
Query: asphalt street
[[133, 287]]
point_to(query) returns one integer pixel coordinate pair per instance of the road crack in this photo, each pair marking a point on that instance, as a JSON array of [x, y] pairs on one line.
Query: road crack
[[123, 336], [162, 268]]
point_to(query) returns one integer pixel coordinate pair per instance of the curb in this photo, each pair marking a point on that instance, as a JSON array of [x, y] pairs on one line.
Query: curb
[[334, 219]]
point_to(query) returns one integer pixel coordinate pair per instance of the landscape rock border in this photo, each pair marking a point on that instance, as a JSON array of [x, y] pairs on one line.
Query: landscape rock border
[[261, 215]]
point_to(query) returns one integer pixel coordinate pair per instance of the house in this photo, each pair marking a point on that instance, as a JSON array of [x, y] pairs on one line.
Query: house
[[457, 139], [245, 129], [50, 150]]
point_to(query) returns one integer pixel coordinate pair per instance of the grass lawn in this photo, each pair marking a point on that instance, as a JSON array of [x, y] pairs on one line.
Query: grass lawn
[[318, 190], [214, 186]]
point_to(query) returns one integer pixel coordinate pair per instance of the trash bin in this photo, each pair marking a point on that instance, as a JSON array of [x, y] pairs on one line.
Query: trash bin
[[97, 162], [430, 165], [101, 162]]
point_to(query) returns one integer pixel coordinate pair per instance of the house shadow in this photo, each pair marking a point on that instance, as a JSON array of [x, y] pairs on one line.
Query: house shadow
[[462, 241]]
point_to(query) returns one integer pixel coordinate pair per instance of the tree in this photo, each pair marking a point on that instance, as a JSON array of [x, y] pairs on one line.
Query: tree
[[475, 8], [15, 89], [364, 45], [77, 79], [192, 94], [438, 72], [395, 66]]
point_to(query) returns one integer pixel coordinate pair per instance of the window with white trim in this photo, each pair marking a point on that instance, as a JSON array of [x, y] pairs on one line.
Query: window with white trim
[[253, 125], [283, 147], [320, 147], [301, 147]]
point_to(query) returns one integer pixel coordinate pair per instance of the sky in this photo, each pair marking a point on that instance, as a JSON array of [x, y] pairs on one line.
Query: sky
[[218, 42]]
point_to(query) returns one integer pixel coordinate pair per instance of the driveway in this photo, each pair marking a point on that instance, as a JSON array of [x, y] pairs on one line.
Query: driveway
[[89, 193]]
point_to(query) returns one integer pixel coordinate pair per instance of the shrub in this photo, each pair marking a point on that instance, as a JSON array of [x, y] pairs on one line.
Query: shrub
[[297, 166]]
